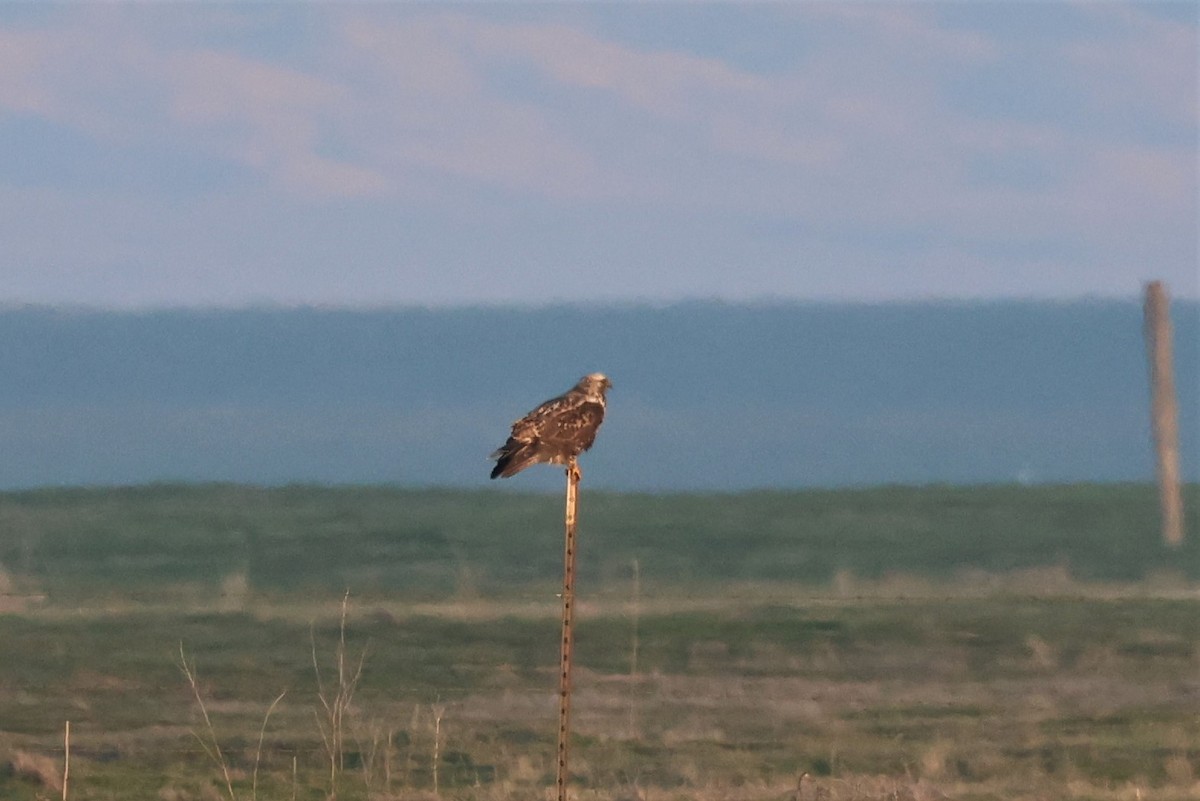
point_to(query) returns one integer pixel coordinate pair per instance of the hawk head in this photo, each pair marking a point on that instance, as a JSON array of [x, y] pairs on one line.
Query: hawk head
[[594, 385]]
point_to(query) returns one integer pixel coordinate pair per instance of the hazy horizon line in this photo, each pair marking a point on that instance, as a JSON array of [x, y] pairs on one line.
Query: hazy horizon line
[[632, 304], [451, 487]]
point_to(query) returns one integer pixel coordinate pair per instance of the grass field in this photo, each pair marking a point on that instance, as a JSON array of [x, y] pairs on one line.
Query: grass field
[[889, 643]]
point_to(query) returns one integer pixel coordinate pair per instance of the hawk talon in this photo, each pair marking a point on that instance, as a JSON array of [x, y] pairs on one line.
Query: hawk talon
[[574, 474]]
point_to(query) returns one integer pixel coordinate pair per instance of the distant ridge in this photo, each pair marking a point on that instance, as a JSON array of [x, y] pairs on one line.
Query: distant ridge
[[707, 395]]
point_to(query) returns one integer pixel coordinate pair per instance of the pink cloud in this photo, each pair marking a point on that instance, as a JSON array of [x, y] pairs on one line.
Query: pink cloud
[[908, 29], [106, 74], [23, 57], [1141, 62], [211, 86], [404, 105], [266, 117], [421, 55], [660, 81], [422, 103]]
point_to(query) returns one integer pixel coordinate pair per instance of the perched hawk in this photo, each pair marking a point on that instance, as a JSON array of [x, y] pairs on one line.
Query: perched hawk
[[557, 431]]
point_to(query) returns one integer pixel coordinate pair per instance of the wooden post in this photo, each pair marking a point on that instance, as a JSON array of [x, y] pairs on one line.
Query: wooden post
[[1164, 414], [568, 609]]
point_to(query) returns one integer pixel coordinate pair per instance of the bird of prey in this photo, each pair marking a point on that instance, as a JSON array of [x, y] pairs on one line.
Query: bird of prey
[[557, 431]]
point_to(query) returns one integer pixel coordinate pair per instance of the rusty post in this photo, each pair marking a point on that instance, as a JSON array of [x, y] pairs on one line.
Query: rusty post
[[568, 614], [1164, 414]]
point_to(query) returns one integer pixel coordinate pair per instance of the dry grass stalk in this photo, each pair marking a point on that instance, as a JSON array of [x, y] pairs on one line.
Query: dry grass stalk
[[337, 700], [636, 611], [438, 710], [212, 747], [66, 758], [387, 762], [374, 749], [262, 734], [413, 723]]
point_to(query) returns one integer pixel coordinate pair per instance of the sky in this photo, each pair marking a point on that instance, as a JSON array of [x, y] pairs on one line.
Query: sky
[[377, 154]]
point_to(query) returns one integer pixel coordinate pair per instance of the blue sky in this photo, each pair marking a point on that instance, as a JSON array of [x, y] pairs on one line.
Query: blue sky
[[439, 154]]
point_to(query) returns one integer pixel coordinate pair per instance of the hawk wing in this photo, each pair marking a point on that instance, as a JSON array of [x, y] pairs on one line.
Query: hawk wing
[[559, 429], [571, 429]]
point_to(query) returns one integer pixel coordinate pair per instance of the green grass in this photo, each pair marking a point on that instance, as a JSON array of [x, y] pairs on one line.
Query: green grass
[[953, 690], [987, 643], [76, 545]]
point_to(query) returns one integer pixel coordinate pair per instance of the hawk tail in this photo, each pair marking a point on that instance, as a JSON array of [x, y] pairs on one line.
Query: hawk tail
[[513, 458]]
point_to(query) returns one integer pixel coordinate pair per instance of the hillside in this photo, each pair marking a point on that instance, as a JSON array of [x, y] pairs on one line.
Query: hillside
[[707, 396]]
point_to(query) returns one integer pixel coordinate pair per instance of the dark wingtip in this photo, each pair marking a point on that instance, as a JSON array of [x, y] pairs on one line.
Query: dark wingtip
[[501, 463], [514, 458]]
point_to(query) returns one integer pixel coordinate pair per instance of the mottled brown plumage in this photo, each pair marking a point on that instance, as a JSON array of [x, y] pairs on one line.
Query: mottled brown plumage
[[557, 431]]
